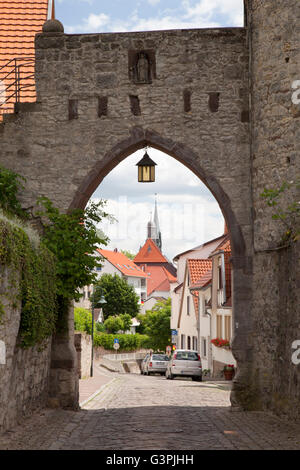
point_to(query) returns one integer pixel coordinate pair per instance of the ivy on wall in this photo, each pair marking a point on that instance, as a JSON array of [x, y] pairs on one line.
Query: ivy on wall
[[47, 273], [31, 283]]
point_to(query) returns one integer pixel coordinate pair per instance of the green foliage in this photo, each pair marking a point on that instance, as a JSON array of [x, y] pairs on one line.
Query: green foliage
[[10, 184], [126, 320], [127, 342], [288, 214], [100, 328], [31, 283], [53, 271], [119, 295], [73, 238], [83, 320], [113, 324], [120, 323], [156, 325]]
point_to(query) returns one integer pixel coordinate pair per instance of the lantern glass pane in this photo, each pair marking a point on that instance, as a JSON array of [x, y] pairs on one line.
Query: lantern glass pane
[[146, 173], [140, 173], [152, 173]]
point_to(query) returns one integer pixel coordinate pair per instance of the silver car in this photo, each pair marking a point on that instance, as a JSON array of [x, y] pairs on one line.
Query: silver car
[[156, 363], [185, 363]]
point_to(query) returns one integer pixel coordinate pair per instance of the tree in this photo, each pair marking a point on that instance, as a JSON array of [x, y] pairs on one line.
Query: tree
[[72, 237], [113, 324], [82, 320], [119, 295], [156, 324], [127, 321]]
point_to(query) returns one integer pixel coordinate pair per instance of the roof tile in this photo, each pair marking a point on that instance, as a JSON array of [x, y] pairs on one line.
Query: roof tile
[[122, 263], [150, 253], [20, 20]]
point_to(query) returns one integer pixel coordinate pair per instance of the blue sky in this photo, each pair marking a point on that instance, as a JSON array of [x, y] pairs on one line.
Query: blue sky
[[188, 213], [93, 16]]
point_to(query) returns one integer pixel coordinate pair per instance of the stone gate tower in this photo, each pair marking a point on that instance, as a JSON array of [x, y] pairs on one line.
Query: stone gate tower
[[233, 118], [274, 78]]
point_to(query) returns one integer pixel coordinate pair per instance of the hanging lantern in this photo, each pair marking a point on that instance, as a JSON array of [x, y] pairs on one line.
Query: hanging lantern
[[146, 169]]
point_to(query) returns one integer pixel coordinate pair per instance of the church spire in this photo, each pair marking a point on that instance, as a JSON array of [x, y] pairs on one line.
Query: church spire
[[156, 221], [153, 230]]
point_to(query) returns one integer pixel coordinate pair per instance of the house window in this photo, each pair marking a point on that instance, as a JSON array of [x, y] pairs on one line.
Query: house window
[[227, 319], [182, 341], [188, 305], [189, 342], [219, 326], [194, 343]]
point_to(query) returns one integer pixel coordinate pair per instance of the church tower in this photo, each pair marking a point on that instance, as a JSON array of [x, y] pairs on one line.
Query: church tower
[[153, 229]]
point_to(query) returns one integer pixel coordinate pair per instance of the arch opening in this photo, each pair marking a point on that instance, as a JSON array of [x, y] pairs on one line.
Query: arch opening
[[139, 140]]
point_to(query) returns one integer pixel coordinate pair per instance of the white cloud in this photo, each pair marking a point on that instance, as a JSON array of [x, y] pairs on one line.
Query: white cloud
[[153, 2], [203, 14], [188, 213], [208, 9]]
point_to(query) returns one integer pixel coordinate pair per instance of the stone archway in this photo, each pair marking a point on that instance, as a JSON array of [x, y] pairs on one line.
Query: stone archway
[[93, 111], [241, 263]]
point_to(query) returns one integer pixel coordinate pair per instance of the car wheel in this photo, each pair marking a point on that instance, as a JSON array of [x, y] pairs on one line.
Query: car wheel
[[171, 377]]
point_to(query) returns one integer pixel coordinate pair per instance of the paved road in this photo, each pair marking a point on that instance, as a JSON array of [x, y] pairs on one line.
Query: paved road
[[152, 413]]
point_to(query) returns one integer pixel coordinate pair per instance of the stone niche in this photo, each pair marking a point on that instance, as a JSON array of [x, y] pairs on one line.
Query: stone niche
[[141, 66]]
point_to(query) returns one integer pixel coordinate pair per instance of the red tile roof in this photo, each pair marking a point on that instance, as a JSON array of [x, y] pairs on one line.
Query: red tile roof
[[125, 265], [197, 268], [200, 271], [223, 246], [203, 281], [150, 253], [159, 279], [20, 20]]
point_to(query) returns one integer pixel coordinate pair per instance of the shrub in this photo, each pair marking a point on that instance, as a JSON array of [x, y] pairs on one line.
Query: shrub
[[83, 320], [127, 342]]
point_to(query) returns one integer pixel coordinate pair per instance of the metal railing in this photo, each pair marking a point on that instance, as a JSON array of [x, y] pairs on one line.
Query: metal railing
[[17, 83]]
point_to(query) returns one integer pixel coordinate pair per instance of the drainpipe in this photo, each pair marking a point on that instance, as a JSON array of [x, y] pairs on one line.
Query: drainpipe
[[223, 278]]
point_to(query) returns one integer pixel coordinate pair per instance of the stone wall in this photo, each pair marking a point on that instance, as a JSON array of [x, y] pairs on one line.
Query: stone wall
[[24, 373], [83, 345], [94, 110], [275, 124]]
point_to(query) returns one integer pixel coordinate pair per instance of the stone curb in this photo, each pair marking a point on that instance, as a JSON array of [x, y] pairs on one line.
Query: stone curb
[[101, 389]]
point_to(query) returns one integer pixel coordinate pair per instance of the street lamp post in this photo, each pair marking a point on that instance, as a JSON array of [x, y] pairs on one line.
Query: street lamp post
[[100, 303]]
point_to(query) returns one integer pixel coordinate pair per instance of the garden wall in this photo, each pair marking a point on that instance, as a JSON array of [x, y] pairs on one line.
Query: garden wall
[[23, 372]]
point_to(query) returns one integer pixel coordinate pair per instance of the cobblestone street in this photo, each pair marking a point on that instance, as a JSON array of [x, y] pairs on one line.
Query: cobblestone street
[[145, 413]]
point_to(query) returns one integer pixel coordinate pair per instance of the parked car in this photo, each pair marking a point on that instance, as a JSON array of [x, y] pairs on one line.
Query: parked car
[[156, 363], [143, 364], [185, 363]]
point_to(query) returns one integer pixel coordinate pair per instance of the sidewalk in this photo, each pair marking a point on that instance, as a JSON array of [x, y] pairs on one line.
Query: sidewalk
[[92, 385]]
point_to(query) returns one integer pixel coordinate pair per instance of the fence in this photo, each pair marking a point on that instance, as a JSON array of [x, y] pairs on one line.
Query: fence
[[17, 83]]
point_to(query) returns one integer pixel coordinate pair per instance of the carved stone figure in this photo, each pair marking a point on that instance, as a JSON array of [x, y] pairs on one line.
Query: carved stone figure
[[143, 69]]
